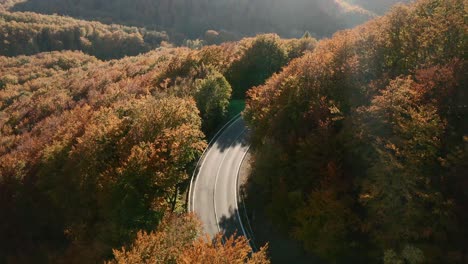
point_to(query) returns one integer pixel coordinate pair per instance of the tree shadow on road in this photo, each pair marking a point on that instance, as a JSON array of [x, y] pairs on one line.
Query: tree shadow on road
[[234, 135], [253, 200], [229, 224], [233, 141], [281, 248]]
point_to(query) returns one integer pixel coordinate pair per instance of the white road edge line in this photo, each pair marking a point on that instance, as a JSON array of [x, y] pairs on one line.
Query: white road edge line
[[216, 181], [236, 196], [252, 244], [196, 172]]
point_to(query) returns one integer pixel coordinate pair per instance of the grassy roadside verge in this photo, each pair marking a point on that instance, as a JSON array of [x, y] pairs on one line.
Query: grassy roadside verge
[[235, 107]]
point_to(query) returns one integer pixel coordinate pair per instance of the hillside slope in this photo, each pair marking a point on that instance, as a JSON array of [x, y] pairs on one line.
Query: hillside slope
[[377, 6], [362, 145], [31, 33], [193, 18], [92, 152]]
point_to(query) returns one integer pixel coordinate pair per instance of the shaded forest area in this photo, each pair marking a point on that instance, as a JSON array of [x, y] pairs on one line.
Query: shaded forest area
[[30, 33], [5, 5], [377, 6], [192, 18], [93, 152], [361, 147]]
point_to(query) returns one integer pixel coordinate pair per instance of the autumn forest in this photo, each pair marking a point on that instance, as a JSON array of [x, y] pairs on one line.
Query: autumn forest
[[357, 112]]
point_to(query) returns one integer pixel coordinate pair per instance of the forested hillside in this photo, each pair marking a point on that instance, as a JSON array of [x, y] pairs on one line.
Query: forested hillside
[[21, 69], [361, 147], [191, 18], [359, 141], [377, 6], [30, 33], [7, 4], [91, 152], [176, 241]]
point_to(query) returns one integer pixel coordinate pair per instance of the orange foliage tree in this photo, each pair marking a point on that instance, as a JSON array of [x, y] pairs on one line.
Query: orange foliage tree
[[178, 240], [360, 143], [91, 152]]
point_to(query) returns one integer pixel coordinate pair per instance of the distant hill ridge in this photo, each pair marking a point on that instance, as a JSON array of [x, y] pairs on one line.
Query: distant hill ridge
[[192, 18], [26, 33]]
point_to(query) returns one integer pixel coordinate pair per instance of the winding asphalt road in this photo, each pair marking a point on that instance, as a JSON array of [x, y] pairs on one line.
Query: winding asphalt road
[[213, 191]]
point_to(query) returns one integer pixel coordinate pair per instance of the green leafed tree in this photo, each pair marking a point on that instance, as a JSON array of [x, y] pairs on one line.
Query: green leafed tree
[[262, 59], [213, 94]]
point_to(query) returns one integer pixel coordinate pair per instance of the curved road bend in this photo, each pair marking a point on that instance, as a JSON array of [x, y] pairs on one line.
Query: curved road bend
[[215, 187]]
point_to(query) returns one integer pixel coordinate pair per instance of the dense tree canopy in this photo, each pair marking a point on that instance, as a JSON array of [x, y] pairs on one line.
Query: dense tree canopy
[[7, 4], [360, 145], [92, 152], [377, 6], [90, 155], [213, 94], [191, 19], [21, 69], [31, 33], [360, 140], [178, 240], [265, 57]]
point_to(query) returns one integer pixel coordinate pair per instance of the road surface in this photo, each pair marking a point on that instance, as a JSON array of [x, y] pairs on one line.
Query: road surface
[[213, 191]]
